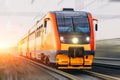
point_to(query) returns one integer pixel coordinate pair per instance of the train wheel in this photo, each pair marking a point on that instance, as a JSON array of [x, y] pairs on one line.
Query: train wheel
[[57, 65], [47, 62], [42, 59]]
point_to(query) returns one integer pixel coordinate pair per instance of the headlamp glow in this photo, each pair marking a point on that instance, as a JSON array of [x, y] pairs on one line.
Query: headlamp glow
[[61, 38], [88, 39], [75, 40]]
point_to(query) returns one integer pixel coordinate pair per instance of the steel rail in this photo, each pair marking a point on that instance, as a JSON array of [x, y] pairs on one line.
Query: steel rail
[[72, 76], [106, 77]]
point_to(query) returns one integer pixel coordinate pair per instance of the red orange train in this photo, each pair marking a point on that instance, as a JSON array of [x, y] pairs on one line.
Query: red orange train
[[65, 38]]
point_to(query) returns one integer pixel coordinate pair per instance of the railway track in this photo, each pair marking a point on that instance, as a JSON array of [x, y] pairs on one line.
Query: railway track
[[91, 75], [72, 74], [106, 69], [59, 74]]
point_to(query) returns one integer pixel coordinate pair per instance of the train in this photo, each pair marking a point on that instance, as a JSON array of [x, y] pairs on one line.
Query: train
[[64, 38]]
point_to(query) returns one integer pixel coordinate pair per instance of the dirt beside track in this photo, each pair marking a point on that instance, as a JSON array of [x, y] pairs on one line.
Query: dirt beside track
[[13, 68]]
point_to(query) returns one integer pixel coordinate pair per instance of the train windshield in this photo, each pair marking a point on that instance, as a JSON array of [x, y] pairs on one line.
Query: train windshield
[[73, 24]]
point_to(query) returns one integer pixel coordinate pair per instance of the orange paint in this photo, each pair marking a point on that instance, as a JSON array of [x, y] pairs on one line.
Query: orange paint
[[91, 32]]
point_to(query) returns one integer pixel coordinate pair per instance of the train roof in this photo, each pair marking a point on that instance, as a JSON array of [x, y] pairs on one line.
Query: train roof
[[70, 12]]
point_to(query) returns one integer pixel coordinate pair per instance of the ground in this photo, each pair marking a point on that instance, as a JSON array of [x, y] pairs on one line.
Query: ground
[[14, 68]]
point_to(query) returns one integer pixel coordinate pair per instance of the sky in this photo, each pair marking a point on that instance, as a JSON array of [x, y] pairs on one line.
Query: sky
[[18, 16]]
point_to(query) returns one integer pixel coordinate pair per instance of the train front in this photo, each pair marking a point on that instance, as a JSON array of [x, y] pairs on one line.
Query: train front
[[76, 35]]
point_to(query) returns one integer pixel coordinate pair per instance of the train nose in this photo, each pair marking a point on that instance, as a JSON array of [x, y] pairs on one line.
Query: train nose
[[75, 58]]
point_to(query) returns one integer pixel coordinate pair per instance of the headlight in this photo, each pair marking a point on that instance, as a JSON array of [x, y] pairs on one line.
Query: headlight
[[61, 38], [75, 40], [87, 39]]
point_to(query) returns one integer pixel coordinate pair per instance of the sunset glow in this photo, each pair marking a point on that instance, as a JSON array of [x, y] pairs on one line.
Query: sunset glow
[[6, 48], [4, 45]]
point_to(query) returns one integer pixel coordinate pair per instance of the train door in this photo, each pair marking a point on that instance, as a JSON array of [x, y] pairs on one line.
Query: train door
[[44, 33], [42, 38], [38, 40]]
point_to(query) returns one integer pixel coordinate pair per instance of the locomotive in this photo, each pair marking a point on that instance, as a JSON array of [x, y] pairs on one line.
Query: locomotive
[[64, 38]]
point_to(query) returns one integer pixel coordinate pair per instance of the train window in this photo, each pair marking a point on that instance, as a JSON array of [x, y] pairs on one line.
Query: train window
[[73, 22], [39, 29], [38, 33], [47, 26], [81, 24], [65, 24], [65, 29]]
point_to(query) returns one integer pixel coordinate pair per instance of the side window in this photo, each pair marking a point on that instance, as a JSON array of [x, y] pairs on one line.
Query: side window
[[38, 31], [47, 25]]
